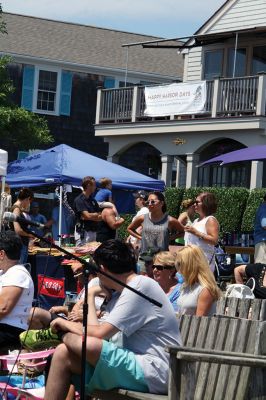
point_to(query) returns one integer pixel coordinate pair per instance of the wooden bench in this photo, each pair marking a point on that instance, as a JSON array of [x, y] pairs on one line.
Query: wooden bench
[[197, 369], [254, 309]]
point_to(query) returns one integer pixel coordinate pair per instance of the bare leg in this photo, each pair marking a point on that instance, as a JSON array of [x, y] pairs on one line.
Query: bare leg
[[67, 361], [39, 318]]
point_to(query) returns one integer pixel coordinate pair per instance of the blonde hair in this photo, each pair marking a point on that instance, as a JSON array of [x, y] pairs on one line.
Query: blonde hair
[[165, 258], [103, 182], [193, 265], [187, 203]]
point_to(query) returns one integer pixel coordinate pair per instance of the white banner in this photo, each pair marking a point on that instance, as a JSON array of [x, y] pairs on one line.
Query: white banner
[[174, 99], [3, 162]]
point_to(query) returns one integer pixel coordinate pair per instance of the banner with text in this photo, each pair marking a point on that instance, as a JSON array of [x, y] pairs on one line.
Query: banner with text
[[174, 99]]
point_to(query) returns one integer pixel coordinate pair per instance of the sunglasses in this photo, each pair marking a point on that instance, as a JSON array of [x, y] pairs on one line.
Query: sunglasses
[[162, 267], [152, 202], [197, 202]]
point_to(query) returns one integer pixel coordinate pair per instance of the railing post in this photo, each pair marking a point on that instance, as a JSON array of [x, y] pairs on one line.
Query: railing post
[[261, 95], [216, 87], [98, 106], [134, 104]]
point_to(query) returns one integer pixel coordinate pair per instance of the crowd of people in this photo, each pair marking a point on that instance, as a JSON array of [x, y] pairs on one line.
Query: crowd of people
[[126, 333]]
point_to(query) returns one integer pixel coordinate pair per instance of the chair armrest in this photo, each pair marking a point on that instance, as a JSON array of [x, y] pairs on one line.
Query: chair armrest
[[221, 358], [174, 350]]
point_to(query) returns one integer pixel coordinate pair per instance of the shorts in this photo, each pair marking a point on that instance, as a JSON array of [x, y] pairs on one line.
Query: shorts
[[116, 368]]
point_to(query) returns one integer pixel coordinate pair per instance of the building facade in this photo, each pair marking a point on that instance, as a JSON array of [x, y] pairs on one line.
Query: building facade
[[57, 68], [228, 53]]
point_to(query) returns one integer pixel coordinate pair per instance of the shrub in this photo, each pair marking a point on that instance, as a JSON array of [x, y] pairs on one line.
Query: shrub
[[254, 200], [174, 197]]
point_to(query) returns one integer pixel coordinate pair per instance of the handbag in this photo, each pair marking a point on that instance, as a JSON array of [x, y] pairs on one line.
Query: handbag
[[240, 291]]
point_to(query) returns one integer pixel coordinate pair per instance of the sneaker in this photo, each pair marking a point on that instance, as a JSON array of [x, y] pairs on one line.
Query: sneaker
[[40, 339]]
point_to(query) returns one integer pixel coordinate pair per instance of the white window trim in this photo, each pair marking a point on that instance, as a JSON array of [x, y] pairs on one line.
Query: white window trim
[[36, 85]]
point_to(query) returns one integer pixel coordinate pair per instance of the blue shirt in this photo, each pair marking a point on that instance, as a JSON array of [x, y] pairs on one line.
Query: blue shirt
[[259, 224], [103, 195], [38, 218]]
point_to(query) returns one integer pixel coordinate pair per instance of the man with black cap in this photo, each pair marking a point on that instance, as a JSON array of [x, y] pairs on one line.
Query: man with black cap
[[140, 203]]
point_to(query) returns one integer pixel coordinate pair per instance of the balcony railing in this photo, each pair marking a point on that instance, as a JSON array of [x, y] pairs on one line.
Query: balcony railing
[[226, 97]]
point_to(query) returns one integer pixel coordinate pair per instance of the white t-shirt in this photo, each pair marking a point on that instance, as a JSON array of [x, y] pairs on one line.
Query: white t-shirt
[[147, 329], [20, 277]]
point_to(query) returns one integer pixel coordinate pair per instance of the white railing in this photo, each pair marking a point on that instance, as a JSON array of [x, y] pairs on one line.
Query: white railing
[[226, 97]]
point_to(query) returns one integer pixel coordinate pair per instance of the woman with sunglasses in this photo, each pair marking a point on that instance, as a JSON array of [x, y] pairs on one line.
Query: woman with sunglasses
[[165, 274], [204, 231], [156, 225], [199, 291]]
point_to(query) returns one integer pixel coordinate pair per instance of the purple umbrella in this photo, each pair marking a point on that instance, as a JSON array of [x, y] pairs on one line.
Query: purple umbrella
[[247, 154]]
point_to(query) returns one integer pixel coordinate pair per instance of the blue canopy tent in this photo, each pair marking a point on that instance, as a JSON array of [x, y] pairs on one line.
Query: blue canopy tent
[[63, 164]]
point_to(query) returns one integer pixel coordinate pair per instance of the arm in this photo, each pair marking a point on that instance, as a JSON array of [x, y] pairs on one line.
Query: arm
[[174, 224], [240, 273], [94, 216], [8, 299], [183, 218], [110, 218], [134, 225], [205, 301]]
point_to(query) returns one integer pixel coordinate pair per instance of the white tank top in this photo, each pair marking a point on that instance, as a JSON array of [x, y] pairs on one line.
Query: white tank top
[[208, 249]]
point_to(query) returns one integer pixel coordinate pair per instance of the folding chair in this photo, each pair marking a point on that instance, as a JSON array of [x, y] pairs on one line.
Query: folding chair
[[24, 387]]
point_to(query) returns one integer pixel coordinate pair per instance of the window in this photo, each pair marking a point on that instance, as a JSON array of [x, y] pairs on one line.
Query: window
[[46, 90], [240, 64], [259, 60], [213, 65], [47, 87]]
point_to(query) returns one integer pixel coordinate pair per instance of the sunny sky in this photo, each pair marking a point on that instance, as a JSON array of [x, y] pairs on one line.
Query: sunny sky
[[163, 18]]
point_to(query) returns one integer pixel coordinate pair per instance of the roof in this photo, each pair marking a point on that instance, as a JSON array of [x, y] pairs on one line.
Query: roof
[[85, 45]]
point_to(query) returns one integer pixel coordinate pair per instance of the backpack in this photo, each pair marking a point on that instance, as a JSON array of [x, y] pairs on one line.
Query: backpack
[[240, 291]]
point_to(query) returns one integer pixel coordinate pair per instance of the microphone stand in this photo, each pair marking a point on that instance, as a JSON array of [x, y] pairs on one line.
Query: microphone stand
[[89, 267]]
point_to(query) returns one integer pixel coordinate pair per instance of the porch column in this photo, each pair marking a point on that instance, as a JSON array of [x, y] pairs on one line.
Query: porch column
[[114, 159], [192, 171], [180, 173], [256, 174], [167, 163]]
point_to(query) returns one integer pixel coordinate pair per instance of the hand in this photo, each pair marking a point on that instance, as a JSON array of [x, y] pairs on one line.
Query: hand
[[76, 315], [58, 309], [191, 229], [59, 324]]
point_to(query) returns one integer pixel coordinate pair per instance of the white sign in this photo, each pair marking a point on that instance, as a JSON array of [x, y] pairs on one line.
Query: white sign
[[3, 162], [174, 99]]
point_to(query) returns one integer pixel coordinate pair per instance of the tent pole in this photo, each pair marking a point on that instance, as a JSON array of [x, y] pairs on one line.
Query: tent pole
[[3, 181], [60, 214]]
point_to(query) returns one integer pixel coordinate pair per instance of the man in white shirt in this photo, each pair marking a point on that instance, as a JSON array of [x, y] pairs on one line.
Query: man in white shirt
[[142, 363]]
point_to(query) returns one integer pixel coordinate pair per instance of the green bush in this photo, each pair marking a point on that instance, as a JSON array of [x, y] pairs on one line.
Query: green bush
[[122, 230], [174, 197], [235, 212], [254, 200]]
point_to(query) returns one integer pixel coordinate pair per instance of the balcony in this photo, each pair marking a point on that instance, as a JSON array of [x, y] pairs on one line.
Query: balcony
[[226, 98]]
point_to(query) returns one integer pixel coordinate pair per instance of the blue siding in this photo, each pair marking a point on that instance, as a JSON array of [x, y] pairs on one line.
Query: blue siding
[[109, 83], [65, 95], [27, 87]]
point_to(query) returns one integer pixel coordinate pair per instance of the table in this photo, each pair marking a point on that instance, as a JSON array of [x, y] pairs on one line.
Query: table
[[233, 250]]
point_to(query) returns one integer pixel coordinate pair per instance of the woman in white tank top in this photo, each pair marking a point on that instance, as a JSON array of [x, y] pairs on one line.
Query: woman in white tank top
[[204, 231]]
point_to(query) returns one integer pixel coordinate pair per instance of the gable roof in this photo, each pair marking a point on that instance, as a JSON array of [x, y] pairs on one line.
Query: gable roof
[[85, 45]]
